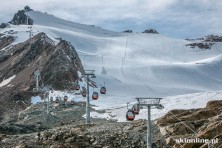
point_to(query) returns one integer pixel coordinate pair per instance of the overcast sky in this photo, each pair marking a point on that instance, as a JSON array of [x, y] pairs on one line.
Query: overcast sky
[[174, 18]]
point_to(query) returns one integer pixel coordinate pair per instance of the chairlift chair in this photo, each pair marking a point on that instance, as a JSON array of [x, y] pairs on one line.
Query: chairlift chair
[[95, 95], [103, 90], [130, 115]]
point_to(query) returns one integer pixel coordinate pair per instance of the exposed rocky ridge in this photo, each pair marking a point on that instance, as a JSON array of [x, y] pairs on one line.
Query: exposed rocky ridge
[[40, 52], [58, 65], [204, 123], [61, 70], [204, 43], [64, 127]]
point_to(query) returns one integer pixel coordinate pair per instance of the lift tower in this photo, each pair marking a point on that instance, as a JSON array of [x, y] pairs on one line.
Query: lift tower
[[149, 102], [88, 73]]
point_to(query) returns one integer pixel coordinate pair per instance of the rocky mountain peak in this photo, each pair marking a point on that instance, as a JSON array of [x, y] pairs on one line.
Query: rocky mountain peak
[[21, 17], [58, 65], [27, 8], [41, 52]]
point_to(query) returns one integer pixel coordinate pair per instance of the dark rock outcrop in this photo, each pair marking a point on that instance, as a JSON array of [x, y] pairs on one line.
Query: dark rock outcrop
[[213, 38], [200, 45], [151, 31], [127, 31], [21, 18], [204, 43], [4, 25]]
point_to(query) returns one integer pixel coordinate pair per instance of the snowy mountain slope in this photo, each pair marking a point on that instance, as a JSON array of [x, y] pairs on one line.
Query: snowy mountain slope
[[45, 19], [134, 64]]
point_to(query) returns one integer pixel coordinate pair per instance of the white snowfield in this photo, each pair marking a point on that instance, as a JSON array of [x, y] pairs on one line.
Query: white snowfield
[[136, 64]]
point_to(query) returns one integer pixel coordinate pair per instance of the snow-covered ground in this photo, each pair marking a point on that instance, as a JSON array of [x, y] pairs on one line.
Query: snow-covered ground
[[136, 64], [7, 81]]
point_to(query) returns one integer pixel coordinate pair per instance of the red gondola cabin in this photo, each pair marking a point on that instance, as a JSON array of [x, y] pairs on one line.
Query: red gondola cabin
[[77, 87], [65, 98], [130, 116]]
